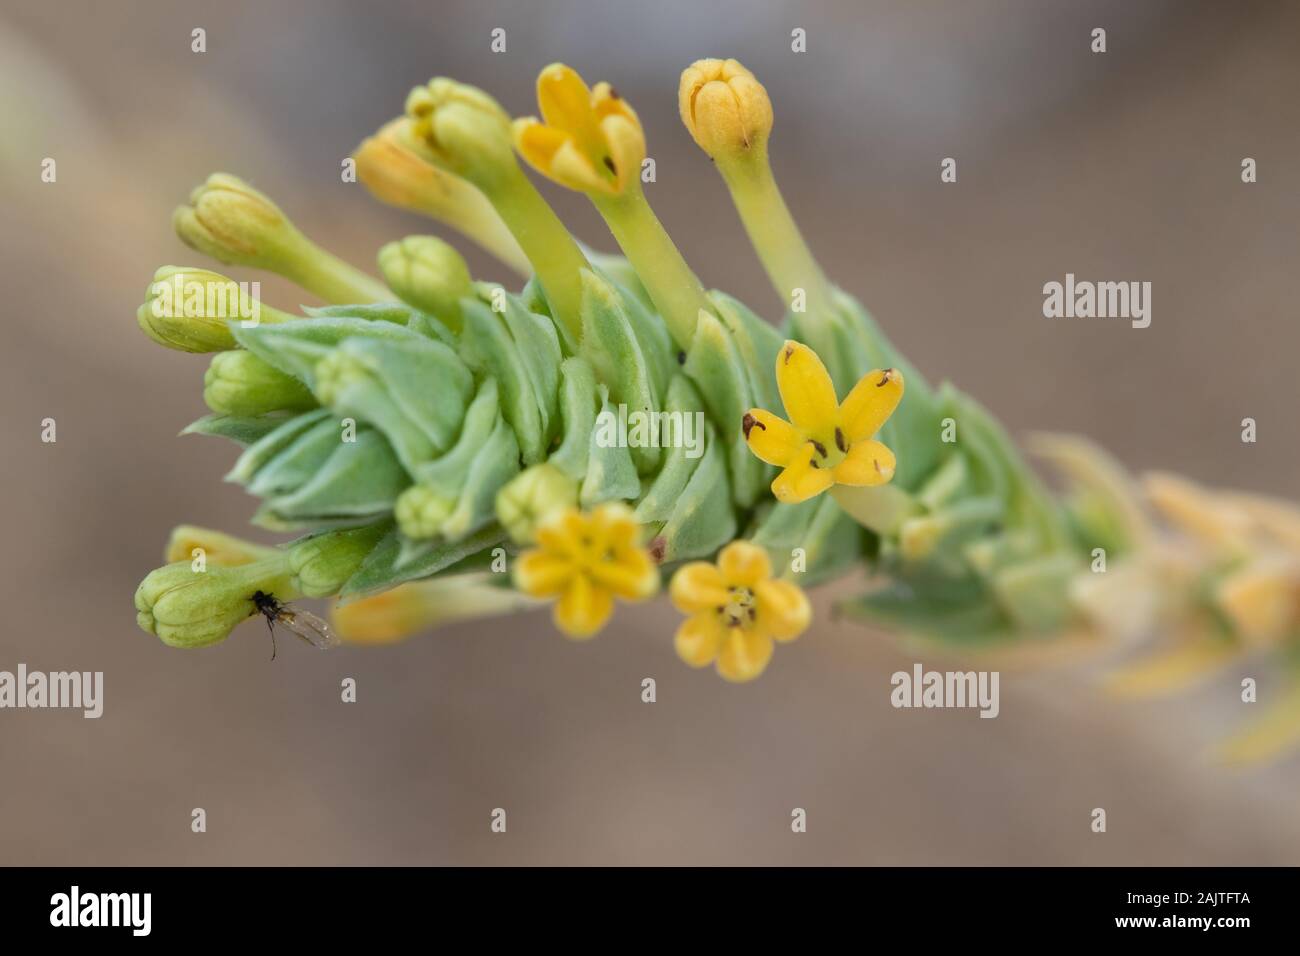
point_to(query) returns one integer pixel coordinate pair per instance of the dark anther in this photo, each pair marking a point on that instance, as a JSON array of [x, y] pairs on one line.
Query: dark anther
[[840, 442], [821, 449], [609, 164], [813, 462]]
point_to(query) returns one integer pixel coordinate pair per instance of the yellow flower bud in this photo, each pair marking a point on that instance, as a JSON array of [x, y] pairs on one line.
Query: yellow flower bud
[[725, 109], [188, 608], [233, 223], [188, 309], [460, 129]]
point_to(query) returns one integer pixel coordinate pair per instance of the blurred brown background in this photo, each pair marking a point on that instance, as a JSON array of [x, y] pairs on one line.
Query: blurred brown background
[[1119, 166]]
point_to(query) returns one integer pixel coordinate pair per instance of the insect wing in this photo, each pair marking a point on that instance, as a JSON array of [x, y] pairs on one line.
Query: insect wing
[[309, 627]]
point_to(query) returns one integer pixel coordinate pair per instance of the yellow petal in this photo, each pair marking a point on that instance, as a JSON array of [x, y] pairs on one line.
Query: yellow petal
[[743, 564], [614, 523], [565, 103], [562, 533], [626, 143], [542, 574], [697, 640], [871, 403], [806, 389], [583, 609], [867, 463], [698, 587], [606, 102], [802, 479], [744, 654], [632, 575], [772, 439], [783, 609], [571, 168], [537, 143]]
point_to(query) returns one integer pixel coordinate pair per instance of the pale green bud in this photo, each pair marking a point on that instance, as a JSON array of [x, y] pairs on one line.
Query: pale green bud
[[429, 274], [460, 129], [240, 383], [531, 497], [189, 309], [189, 608], [335, 372], [322, 564], [420, 511], [232, 222]]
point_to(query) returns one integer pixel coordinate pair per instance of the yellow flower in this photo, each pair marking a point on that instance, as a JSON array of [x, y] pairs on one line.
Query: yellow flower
[[823, 443], [586, 560], [588, 140], [724, 107], [737, 610]]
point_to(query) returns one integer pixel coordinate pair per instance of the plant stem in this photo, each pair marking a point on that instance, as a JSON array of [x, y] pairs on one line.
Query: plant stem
[[673, 288]]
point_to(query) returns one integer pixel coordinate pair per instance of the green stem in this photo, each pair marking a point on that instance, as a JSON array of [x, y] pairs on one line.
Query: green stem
[[466, 209], [332, 279], [555, 257], [672, 286], [776, 238]]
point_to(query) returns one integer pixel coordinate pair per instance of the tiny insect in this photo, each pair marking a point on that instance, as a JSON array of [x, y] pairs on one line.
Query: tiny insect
[[302, 623]]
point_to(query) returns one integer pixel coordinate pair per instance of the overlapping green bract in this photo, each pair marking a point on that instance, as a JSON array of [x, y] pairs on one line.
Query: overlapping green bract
[[418, 428], [440, 421]]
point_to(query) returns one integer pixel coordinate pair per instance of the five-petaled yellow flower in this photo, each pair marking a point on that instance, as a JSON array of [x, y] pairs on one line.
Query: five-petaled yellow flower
[[588, 140], [737, 610], [824, 443], [586, 560]]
